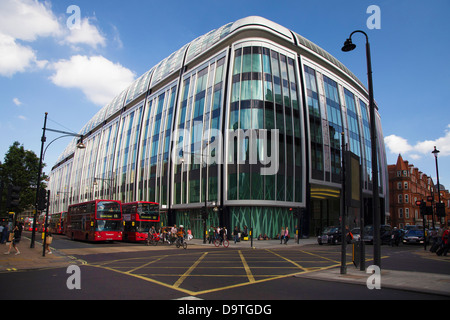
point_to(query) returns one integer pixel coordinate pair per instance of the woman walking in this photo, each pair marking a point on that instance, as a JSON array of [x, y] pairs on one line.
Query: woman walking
[[286, 236], [15, 238]]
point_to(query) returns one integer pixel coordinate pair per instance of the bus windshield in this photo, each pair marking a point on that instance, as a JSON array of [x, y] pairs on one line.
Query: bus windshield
[[108, 210], [148, 211], [108, 225]]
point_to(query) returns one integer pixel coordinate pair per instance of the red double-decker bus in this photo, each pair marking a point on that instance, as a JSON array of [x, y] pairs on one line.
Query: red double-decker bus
[[138, 218], [97, 220], [56, 222]]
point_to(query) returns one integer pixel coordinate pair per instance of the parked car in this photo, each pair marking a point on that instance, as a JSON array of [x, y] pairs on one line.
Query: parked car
[[385, 234], [414, 236], [331, 235]]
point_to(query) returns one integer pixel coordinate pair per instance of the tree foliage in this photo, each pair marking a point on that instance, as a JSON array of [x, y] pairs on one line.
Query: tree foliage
[[20, 168]]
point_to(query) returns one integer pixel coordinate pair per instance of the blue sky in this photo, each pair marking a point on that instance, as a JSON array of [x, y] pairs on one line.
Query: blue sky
[[45, 66]]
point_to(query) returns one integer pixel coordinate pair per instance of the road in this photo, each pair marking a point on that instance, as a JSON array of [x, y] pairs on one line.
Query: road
[[136, 272]]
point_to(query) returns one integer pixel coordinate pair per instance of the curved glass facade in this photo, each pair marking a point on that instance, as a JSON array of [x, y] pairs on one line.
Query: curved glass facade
[[247, 120]]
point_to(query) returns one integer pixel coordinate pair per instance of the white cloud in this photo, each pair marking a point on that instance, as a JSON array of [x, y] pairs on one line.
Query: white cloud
[[396, 145], [15, 57], [99, 78], [23, 20], [27, 19], [85, 34], [17, 102]]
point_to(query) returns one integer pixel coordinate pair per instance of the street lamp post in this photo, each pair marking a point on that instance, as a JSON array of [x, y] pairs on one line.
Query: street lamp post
[[349, 46], [80, 145], [435, 152]]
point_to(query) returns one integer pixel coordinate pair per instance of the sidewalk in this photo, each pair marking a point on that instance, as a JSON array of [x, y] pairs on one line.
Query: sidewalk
[[258, 244], [30, 258]]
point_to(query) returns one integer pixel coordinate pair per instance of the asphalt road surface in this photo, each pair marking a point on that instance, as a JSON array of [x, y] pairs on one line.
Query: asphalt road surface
[[128, 272]]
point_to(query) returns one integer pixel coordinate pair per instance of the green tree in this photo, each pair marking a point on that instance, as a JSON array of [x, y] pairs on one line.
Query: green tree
[[20, 168]]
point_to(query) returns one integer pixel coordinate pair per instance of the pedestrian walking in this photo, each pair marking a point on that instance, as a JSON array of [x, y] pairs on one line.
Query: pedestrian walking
[[395, 237], [210, 234], [48, 242], [14, 237], [445, 241], [4, 234], [286, 236], [236, 233]]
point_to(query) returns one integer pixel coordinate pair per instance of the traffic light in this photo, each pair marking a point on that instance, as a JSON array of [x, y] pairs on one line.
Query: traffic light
[[440, 209], [13, 197], [423, 206], [42, 199], [295, 212]]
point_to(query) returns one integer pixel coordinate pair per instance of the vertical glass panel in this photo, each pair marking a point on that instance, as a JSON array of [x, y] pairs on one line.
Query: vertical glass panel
[[266, 61], [315, 123], [244, 185], [276, 78], [232, 186], [268, 90], [237, 61], [352, 120], [246, 92], [269, 117], [256, 59], [335, 126], [257, 93], [219, 71], [247, 60], [257, 118], [367, 140]]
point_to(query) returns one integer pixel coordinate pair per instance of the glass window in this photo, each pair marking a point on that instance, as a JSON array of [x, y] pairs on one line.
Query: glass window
[[264, 96], [247, 60], [257, 118], [256, 59], [335, 126], [246, 92], [269, 117], [201, 80], [237, 61], [219, 71], [352, 119], [244, 185], [257, 93], [367, 163], [266, 61]]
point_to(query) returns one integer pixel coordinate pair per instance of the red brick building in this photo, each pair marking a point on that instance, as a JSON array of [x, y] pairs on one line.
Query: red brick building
[[407, 184]]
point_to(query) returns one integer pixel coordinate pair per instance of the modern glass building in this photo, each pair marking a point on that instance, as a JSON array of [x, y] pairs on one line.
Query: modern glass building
[[246, 119]]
